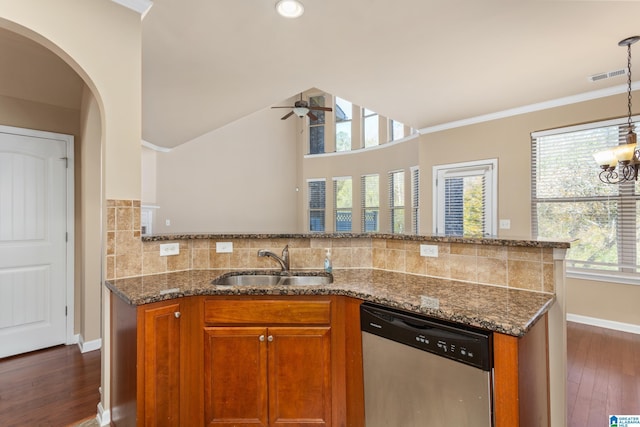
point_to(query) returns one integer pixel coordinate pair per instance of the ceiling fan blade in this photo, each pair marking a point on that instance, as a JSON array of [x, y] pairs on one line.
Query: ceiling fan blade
[[282, 107], [312, 116], [321, 108], [286, 116]]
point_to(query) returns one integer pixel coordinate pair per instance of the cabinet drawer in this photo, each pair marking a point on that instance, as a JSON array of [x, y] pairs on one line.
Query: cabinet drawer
[[273, 312]]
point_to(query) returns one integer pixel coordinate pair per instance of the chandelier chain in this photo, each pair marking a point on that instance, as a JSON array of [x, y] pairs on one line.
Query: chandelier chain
[[629, 84]]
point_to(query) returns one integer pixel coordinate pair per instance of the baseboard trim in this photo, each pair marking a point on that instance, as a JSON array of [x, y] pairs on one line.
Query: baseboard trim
[[89, 345], [603, 323], [104, 416]]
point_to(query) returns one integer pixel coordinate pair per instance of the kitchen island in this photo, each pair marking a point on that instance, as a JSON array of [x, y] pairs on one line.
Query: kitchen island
[[518, 317]]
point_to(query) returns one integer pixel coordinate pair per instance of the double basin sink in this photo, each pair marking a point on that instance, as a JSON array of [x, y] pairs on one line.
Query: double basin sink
[[273, 279]]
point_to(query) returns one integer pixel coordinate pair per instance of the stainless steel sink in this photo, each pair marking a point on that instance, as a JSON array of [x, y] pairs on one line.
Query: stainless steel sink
[[252, 279]]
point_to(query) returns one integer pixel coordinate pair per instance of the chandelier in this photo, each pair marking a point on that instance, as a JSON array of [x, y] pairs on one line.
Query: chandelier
[[625, 156]]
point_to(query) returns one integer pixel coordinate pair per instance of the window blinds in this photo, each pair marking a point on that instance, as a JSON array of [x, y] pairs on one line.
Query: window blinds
[[316, 205], [370, 202], [568, 200]]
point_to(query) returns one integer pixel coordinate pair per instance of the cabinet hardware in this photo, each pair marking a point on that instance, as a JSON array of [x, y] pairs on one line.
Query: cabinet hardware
[[261, 338], [270, 338], [177, 314]]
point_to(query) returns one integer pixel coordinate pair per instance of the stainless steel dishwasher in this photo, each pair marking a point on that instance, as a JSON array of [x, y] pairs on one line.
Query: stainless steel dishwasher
[[421, 372]]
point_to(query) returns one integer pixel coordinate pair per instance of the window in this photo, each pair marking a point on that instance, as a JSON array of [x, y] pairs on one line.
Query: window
[[316, 127], [568, 201], [397, 130], [396, 201], [370, 203], [370, 127], [464, 201], [415, 200], [342, 202], [344, 111], [316, 205]]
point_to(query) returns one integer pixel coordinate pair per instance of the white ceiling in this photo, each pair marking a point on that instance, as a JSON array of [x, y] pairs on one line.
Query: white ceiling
[[422, 62]]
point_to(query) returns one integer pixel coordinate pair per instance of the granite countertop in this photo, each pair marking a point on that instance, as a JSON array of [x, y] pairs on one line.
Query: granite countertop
[[480, 240], [494, 308]]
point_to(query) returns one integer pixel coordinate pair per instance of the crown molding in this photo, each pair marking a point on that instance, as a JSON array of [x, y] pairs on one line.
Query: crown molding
[[155, 147], [588, 96], [140, 6]]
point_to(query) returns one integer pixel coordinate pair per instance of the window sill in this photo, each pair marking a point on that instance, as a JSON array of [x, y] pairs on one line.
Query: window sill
[[603, 276]]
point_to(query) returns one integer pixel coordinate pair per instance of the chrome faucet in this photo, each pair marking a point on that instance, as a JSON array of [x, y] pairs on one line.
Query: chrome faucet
[[283, 261]]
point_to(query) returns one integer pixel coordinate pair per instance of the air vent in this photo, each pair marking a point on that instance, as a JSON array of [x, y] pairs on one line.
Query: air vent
[[602, 76]]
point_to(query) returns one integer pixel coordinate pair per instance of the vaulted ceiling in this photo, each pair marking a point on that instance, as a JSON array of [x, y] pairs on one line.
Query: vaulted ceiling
[[422, 62]]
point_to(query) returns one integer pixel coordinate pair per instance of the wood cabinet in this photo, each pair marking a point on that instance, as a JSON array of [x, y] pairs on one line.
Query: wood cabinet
[[148, 352], [268, 362], [241, 361]]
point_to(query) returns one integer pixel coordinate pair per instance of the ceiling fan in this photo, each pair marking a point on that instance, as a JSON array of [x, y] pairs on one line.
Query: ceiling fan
[[301, 108]]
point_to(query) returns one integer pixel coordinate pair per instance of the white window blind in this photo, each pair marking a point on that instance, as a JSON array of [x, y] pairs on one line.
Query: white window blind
[[396, 201], [569, 201], [415, 200], [317, 205], [370, 203], [342, 202]]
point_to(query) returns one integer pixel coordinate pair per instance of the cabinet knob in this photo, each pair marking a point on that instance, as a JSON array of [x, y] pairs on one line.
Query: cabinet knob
[[261, 338], [177, 314], [270, 338]]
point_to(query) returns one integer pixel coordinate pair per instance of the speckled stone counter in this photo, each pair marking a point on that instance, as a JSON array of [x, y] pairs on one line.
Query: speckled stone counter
[[520, 242], [494, 308]]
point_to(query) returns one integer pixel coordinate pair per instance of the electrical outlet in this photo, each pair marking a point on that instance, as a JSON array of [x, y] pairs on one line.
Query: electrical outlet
[[169, 249], [429, 250], [505, 224], [167, 222], [224, 247]]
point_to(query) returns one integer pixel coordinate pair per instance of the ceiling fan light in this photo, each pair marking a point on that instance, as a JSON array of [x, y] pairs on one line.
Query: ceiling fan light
[[300, 111], [290, 8]]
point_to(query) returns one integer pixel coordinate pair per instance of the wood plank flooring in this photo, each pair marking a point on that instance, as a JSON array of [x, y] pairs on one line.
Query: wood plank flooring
[[58, 386], [603, 369], [49, 388]]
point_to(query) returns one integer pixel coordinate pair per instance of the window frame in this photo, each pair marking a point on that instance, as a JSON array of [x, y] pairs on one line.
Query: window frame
[[486, 167], [365, 208], [625, 207], [393, 208], [310, 209], [337, 209]]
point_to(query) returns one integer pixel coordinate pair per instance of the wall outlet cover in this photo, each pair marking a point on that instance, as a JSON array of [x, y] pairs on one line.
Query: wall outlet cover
[[224, 247], [169, 249], [429, 250]]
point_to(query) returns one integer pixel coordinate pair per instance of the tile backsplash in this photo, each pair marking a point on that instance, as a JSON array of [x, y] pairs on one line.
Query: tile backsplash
[[530, 268]]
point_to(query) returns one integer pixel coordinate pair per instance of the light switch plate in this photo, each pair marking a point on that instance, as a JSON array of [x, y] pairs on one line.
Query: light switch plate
[[505, 224], [224, 247], [169, 249], [429, 250]]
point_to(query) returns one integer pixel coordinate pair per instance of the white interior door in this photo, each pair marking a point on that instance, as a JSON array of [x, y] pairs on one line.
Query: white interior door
[[33, 241]]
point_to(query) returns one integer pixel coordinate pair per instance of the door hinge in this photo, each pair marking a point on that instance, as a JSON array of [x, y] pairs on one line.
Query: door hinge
[[66, 236], [66, 310], [66, 162]]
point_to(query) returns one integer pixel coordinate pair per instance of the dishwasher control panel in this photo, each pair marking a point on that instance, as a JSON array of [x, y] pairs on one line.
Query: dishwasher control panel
[[467, 345]]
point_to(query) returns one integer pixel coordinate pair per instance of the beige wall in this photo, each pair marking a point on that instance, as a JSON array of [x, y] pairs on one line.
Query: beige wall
[[89, 206], [240, 178], [509, 140], [101, 41]]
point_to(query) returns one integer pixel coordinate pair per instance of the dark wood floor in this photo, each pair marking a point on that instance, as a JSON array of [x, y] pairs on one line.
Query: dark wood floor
[[58, 386], [603, 375], [52, 387]]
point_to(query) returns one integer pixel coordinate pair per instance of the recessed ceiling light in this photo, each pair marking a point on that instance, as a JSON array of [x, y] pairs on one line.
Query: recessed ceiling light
[[290, 8]]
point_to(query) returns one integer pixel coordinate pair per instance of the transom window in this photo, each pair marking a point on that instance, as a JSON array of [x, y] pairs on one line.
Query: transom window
[[343, 111]]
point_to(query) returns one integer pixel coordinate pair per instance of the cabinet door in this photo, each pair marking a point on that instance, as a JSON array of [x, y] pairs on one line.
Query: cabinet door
[[235, 376], [299, 376], [161, 365]]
